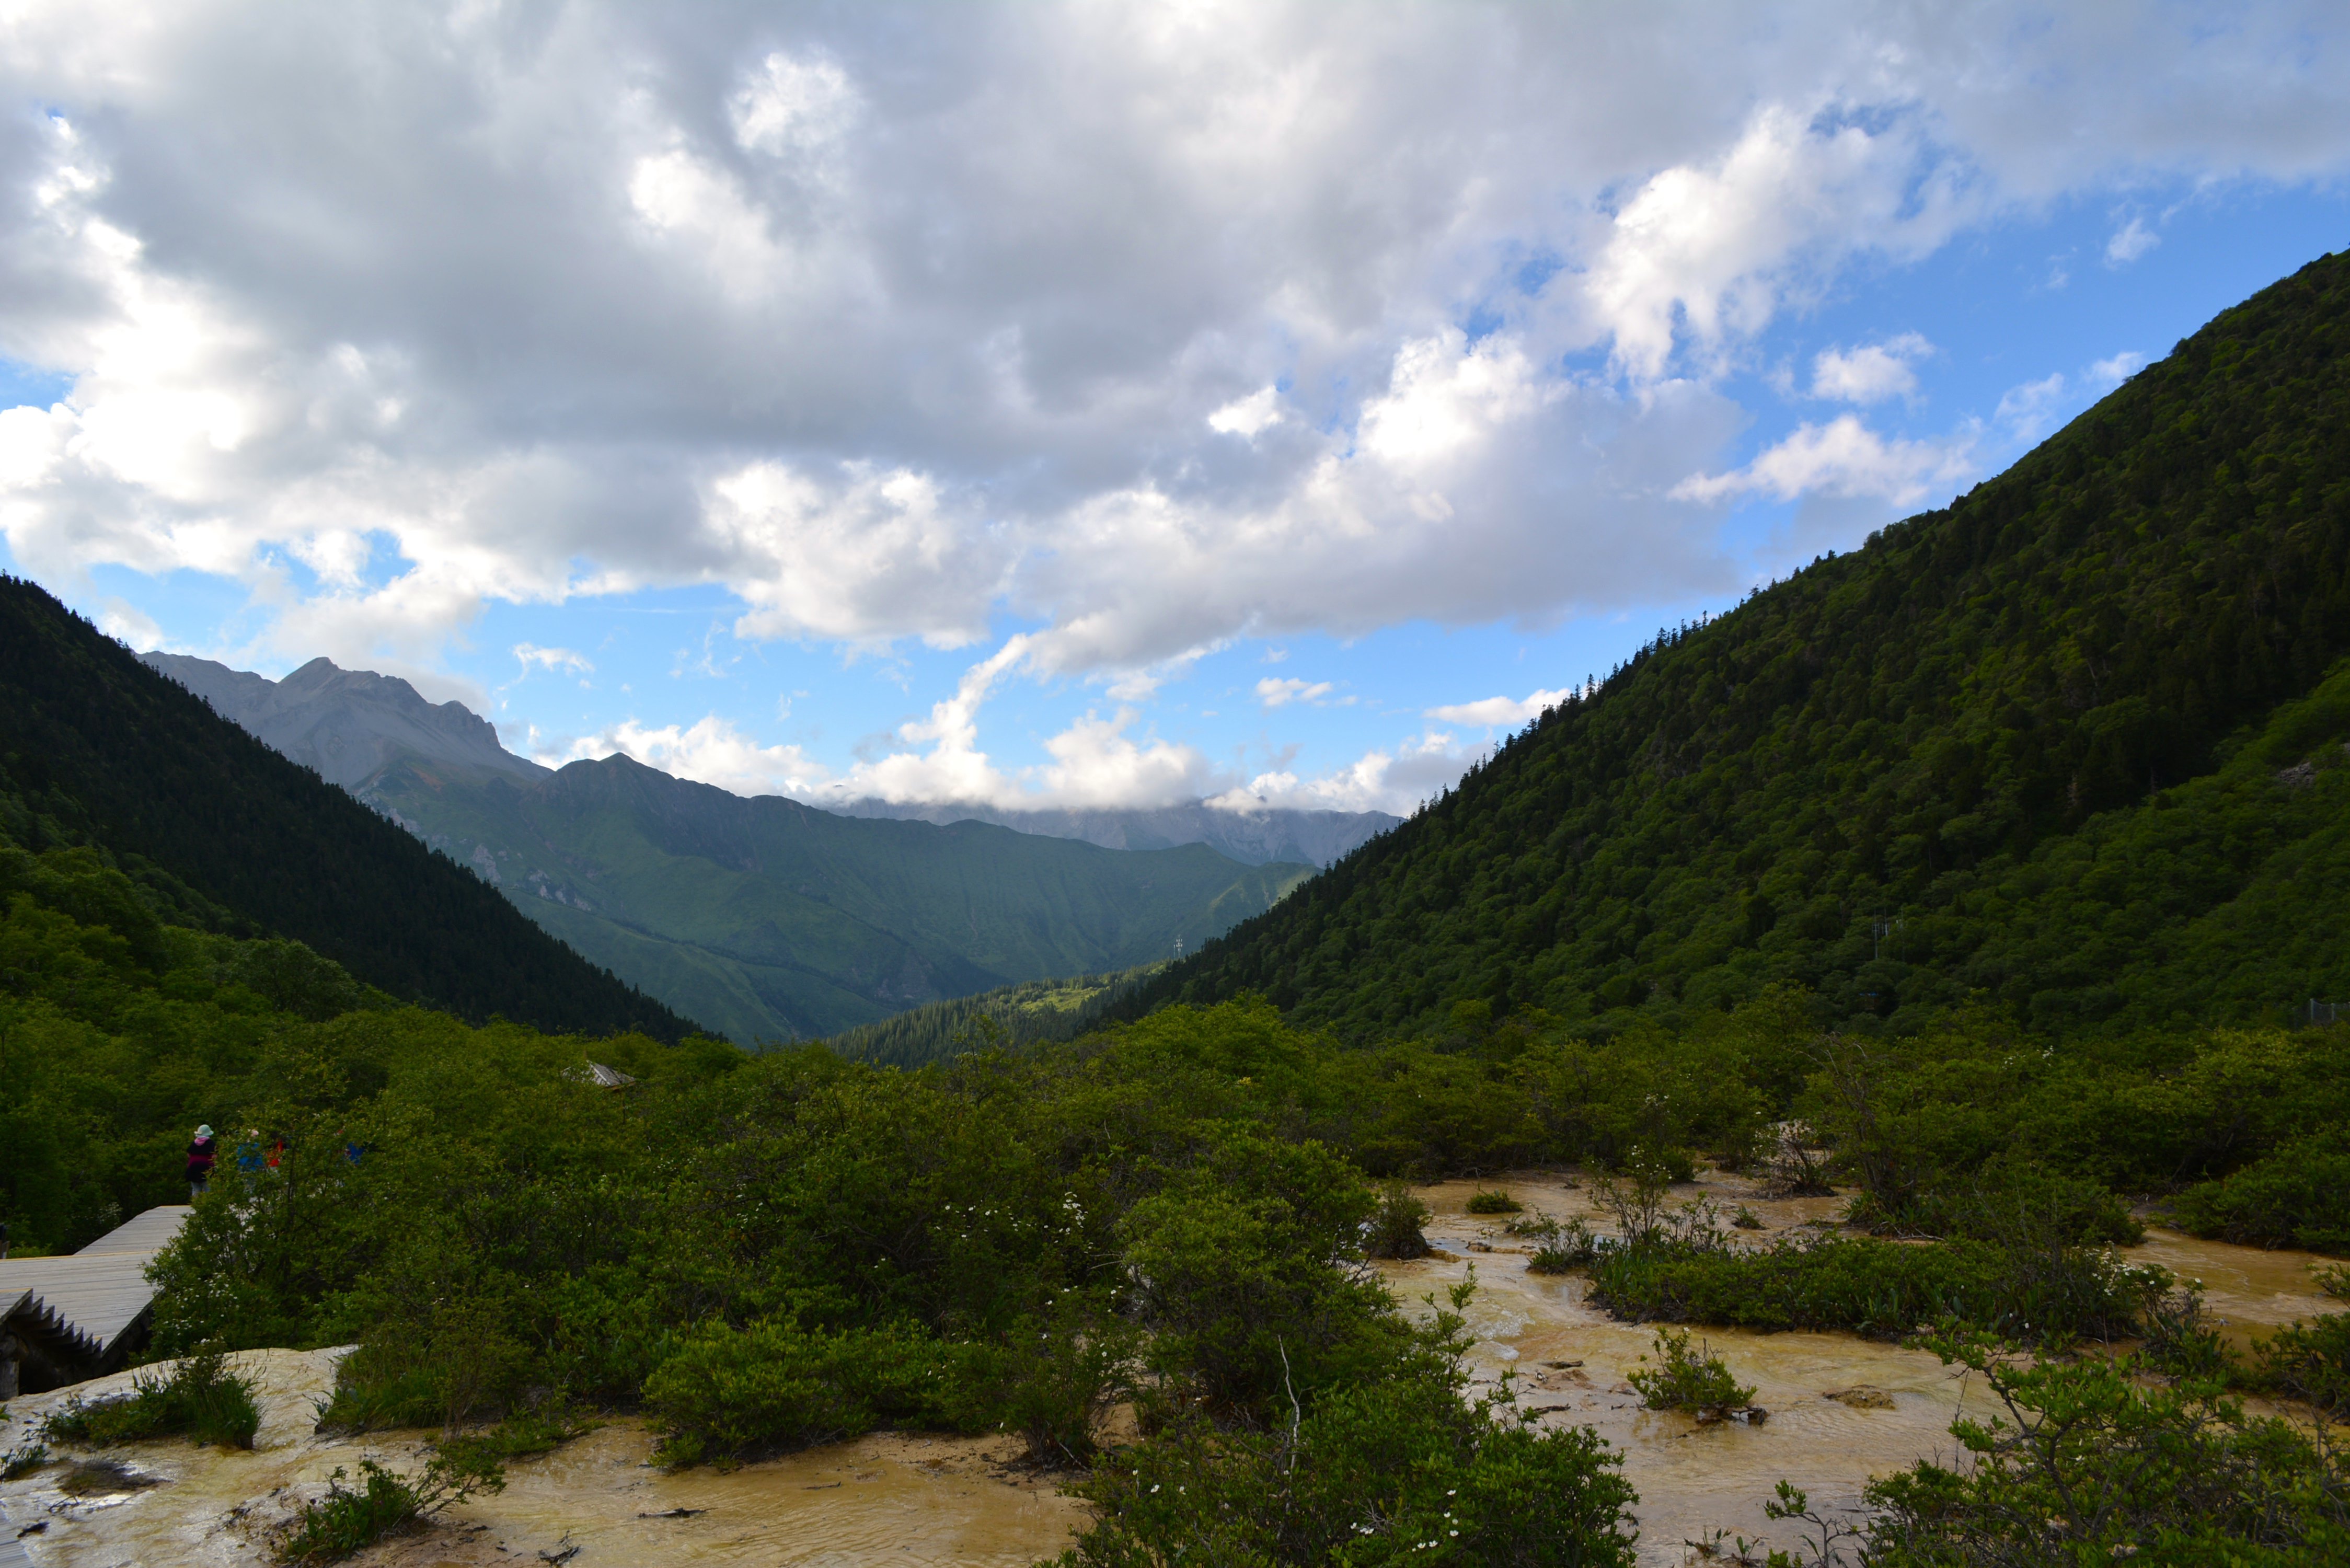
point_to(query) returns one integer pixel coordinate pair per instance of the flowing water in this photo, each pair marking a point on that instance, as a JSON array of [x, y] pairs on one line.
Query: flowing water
[[897, 1499], [1694, 1480]]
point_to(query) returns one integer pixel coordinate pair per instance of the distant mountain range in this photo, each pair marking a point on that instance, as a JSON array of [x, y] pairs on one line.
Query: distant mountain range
[[769, 919], [97, 751], [1250, 837]]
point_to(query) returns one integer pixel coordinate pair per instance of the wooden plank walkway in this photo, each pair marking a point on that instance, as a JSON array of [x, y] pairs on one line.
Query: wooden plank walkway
[[85, 1302]]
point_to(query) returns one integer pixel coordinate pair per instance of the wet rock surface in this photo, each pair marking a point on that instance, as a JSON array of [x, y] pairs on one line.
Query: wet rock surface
[[890, 1498], [1841, 1408]]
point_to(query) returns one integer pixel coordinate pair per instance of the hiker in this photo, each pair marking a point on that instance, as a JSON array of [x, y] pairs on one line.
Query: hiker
[[201, 1154]]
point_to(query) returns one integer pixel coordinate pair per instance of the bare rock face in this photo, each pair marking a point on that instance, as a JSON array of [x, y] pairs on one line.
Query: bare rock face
[[345, 724]]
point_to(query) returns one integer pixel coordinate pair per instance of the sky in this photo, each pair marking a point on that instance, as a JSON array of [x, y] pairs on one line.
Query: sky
[[1075, 405]]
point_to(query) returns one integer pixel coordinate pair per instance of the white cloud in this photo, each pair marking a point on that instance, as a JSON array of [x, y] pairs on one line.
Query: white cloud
[[1872, 373], [1095, 762], [712, 751], [552, 659], [890, 333], [1280, 693], [2120, 368], [1393, 780], [2131, 240], [1494, 712], [1712, 249], [2029, 411], [1248, 417], [1841, 458]]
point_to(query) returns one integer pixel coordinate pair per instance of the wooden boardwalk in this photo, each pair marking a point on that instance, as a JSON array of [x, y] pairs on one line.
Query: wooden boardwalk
[[79, 1309]]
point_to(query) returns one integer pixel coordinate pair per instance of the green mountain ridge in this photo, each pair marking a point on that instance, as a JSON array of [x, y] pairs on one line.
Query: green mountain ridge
[[2071, 745], [218, 832], [768, 919]]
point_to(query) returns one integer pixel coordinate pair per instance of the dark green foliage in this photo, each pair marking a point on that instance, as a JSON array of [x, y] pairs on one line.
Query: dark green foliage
[[1560, 1246], [2090, 1462], [22, 1460], [771, 920], [1484, 1202], [98, 750], [1395, 1230], [1398, 1470], [728, 1393], [1877, 1288], [120, 1033], [1684, 1379], [1014, 1015], [2014, 1203], [2297, 1197], [2002, 750], [201, 1400], [386, 1502], [2311, 1362]]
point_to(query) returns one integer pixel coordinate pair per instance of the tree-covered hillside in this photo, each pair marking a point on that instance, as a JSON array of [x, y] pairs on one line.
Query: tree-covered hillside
[[770, 919], [2069, 743], [98, 750]]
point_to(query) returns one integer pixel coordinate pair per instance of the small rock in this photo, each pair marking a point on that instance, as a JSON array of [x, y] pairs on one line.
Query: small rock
[[1860, 1396]]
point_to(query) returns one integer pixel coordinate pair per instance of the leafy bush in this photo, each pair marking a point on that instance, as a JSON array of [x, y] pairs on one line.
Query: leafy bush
[[22, 1460], [1559, 1244], [1685, 1380], [1395, 1226], [441, 1362], [1372, 1474], [2311, 1362], [343, 1522], [1483, 1203], [1057, 1377], [2297, 1197], [728, 1393], [1871, 1287], [2023, 1204], [2090, 1463], [200, 1399]]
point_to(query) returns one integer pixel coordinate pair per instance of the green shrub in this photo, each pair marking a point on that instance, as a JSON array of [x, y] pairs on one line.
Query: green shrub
[[200, 1399], [2311, 1362], [731, 1393], [520, 1435], [2297, 1197], [1396, 1225], [1371, 1474], [1877, 1288], [2092, 1462], [2179, 1338], [439, 1363], [2012, 1206], [1483, 1203], [1685, 1380], [344, 1520], [22, 1460], [1559, 1244], [1056, 1377]]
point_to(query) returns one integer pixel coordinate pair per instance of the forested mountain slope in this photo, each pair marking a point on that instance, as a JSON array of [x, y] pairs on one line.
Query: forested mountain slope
[[2068, 744], [98, 750], [772, 920]]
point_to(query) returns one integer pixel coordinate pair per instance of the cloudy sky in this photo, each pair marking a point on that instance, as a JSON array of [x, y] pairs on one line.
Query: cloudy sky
[[1102, 404]]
